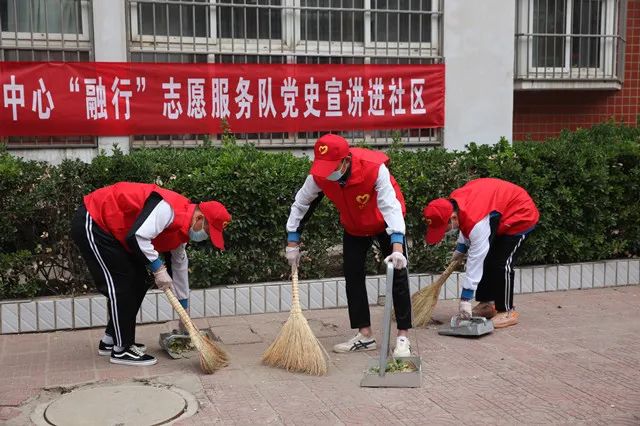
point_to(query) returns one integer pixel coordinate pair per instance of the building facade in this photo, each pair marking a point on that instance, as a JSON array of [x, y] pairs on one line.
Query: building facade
[[514, 68]]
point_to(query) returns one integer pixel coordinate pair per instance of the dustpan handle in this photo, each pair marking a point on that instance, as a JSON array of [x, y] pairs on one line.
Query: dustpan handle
[[386, 322]]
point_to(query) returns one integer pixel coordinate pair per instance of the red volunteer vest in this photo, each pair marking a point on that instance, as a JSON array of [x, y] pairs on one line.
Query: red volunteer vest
[[482, 196], [357, 201], [115, 208]]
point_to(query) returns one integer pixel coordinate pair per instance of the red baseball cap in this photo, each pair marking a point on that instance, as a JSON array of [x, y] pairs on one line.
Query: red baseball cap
[[329, 151], [218, 218], [437, 214]]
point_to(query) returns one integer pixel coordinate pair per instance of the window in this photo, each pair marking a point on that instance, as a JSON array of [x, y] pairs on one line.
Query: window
[[33, 30], [42, 16], [170, 19], [332, 20], [362, 28], [577, 40], [287, 31], [46, 30], [396, 21], [250, 19]]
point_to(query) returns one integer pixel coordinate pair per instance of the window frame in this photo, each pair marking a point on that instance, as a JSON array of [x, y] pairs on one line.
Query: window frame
[[48, 43], [608, 44], [44, 40], [291, 46], [291, 40]]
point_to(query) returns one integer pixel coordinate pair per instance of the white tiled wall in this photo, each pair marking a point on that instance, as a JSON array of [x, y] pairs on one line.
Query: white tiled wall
[[526, 275], [82, 312], [257, 299], [46, 315], [563, 278], [550, 278], [28, 317], [539, 275], [212, 302], [330, 294], [273, 298], [586, 280], [196, 303], [91, 311]]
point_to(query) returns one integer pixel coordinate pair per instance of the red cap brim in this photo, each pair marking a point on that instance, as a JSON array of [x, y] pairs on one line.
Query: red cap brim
[[323, 168], [434, 235], [216, 237]]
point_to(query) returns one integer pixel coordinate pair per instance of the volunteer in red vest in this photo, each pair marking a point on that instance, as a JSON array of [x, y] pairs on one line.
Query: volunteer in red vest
[[494, 218], [371, 208], [120, 231]]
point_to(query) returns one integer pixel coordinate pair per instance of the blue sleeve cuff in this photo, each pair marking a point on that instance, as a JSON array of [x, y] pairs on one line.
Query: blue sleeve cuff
[[293, 237], [184, 303], [397, 237], [462, 248], [156, 264], [467, 294]]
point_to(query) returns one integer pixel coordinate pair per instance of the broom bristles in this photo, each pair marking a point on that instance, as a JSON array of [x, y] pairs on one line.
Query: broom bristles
[[423, 301], [296, 348], [212, 357]]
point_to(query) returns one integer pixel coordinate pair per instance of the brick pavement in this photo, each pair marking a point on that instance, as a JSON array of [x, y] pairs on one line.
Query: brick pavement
[[575, 358]]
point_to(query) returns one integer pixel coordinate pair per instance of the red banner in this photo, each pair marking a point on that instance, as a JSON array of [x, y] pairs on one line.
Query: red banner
[[107, 98]]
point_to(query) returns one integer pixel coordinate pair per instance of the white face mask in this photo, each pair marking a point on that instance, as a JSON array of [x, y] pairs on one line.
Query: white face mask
[[198, 236], [336, 175]]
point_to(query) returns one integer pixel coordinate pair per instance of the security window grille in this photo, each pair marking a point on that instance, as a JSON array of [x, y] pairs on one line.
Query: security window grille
[[287, 31], [570, 39], [170, 19], [332, 20], [250, 19], [46, 30], [396, 21]]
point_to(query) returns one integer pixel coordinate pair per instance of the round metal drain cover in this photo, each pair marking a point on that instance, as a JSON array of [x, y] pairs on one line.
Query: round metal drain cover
[[116, 405]]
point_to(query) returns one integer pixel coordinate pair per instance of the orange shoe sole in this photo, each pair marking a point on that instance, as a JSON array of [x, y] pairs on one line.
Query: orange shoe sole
[[505, 319], [484, 310]]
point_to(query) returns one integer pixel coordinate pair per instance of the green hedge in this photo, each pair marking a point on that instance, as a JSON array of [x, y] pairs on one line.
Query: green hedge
[[586, 185]]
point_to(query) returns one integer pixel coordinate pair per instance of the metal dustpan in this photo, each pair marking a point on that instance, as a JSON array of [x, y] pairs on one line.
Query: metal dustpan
[[376, 375], [178, 345], [473, 327]]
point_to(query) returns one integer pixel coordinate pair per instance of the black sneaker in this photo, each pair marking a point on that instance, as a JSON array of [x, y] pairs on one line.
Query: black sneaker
[[104, 349], [132, 356]]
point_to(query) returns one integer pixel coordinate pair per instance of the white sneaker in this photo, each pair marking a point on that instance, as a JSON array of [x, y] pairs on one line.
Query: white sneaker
[[356, 344], [403, 348]]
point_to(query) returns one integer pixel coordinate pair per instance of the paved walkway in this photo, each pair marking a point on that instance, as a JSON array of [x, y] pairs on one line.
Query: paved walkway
[[575, 358]]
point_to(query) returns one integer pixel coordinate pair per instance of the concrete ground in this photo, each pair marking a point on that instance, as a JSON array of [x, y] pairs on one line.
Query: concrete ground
[[574, 358]]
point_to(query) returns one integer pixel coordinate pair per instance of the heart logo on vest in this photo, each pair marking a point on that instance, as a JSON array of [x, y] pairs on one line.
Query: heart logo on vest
[[362, 200], [323, 149]]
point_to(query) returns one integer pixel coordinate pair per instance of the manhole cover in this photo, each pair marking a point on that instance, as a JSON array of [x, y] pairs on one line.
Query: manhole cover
[[116, 405]]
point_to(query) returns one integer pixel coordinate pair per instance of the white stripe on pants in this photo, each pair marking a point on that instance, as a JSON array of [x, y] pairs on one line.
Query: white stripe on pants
[[109, 280], [507, 274]]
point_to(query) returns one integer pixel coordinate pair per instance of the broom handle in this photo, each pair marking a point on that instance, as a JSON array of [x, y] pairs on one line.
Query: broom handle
[[194, 334], [295, 296], [443, 277]]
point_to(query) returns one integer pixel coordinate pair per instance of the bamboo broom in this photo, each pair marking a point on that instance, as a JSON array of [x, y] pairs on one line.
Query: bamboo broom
[[296, 348], [212, 357], [423, 301]]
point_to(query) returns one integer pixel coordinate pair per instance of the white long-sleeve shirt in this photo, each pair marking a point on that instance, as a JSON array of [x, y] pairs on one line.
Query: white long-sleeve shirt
[[388, 203], [157, 220], [477, 248]]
